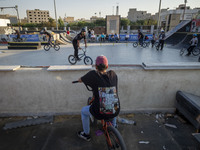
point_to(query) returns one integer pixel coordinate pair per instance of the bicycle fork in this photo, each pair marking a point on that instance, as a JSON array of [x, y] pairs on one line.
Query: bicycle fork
[[105, 126]]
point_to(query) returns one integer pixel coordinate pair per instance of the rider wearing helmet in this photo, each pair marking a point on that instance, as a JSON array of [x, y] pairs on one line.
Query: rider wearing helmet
[[161, 39], [193, 42], [76, 43]]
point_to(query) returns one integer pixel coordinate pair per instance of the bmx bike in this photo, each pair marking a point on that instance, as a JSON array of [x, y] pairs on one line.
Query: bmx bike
[[135, 44], [113, 137], [87, 60], [195, 51], [49, 45]]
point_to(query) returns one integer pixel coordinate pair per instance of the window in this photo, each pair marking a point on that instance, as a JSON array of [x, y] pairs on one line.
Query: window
[[31, 21]]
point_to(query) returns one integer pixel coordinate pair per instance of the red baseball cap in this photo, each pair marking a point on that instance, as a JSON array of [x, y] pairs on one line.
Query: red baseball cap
[[101, 60]]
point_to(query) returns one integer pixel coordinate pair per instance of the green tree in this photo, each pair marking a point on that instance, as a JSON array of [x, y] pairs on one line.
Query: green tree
[[60, 22], [124, 22]]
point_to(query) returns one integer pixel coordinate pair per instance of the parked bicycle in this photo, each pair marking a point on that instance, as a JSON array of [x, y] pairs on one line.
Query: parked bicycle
[[195, 51], [135, 44], [18, 39], [87, 60], [49, 45], [113, 137]]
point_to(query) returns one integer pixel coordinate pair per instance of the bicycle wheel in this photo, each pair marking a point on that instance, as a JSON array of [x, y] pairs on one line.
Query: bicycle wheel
[[56, 47], [88, 60], [157, 47], [47, 47], [144, 45], [117, 142], [135, 44], [196, 51], [182, 51], [72, 60]]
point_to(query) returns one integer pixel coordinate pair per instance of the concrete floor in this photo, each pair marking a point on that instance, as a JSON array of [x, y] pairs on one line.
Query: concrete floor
[[61, 135], [117, 54]]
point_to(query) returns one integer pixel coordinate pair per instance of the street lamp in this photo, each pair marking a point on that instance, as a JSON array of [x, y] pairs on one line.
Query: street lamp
[[158, 23], [55, 15], [184, 10]]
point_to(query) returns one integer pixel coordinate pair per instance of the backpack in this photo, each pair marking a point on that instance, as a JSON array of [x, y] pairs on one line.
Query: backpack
[[108, 100]]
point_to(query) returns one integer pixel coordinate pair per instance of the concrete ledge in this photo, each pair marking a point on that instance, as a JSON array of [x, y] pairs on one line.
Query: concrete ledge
[[171, 66], [9, 68], [69, 67]]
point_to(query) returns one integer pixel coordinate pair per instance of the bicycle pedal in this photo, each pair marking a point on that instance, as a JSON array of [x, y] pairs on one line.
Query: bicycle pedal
[[98, 133]]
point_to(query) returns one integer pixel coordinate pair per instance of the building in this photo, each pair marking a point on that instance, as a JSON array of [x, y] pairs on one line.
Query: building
[[113, 24], [13, 19], [171, 18], [37, 16], [134, 15], [68, 19], [24, 20]]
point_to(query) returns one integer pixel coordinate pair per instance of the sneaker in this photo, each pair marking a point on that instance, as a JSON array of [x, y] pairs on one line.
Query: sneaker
[[82, 135], [78, 59]]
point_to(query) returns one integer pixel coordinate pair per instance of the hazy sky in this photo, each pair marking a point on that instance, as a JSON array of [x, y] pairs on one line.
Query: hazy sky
[[88, 8]]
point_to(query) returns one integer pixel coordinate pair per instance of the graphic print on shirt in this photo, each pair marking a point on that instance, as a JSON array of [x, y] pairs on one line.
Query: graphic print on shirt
[[109, 101]]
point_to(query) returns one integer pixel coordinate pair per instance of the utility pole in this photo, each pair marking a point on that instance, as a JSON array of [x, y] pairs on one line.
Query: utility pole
[[184, 10], [16, 8], [55, 15], [158, 23]]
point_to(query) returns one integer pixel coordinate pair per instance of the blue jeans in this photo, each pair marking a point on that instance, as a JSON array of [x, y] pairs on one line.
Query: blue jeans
[[85, 116]]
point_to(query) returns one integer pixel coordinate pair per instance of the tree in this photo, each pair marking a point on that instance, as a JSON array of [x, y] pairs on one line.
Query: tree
[[124, 22], [60, 22], [52, 22]]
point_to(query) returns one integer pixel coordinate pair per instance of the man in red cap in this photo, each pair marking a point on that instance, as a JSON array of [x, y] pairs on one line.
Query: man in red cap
[[106, 103]]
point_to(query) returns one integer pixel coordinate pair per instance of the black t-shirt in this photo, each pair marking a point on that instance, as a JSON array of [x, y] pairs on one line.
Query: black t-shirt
[[47, 33], [95, 80], [78, 37], [140, 35]]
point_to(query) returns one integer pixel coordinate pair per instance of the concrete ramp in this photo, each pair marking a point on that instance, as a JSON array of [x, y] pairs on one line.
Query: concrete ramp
[[60, 41], [175, 29], [64, 38]]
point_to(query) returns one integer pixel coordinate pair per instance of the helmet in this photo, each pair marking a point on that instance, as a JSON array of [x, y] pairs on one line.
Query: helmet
[[83, 30], [195, 35]]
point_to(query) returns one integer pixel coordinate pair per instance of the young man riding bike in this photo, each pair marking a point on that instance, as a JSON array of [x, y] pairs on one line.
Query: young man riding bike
[[105, 93], [193, 42], [76, 42]]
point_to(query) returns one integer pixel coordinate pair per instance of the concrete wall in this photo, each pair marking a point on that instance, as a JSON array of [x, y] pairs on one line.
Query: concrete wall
[[37, 91]]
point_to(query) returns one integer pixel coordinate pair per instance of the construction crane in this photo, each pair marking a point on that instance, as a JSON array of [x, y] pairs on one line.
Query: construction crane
[[16, 8]]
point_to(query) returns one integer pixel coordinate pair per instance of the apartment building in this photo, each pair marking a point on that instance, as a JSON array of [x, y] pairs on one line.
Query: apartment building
[[37, 16], [134, 15]]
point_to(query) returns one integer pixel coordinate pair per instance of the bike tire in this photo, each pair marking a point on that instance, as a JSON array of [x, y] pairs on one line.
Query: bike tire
[[144, 45], [196, 51], [72, 59], [47, 47], [157, 47], [135, 44], [56, 47], [116, 139], [88, 60], [182, 51]]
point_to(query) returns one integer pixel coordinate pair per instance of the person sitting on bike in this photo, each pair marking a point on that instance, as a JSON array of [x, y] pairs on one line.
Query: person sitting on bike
[[76, 42], [18, 34], [140, 37], [48, 34], [161, 39], [193, 42], [153, 40], [104, 86]]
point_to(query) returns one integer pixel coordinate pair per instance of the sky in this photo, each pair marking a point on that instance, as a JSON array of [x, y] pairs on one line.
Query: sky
[[87, 8]]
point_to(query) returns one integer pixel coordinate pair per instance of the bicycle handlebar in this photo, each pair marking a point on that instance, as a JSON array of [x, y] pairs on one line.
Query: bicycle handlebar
[[75, 81], [87, 86]]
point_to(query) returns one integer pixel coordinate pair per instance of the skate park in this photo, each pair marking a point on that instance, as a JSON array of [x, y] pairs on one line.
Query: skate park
[[38, 83]]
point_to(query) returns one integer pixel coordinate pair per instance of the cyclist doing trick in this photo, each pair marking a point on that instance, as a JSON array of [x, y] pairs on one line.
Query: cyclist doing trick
[[48, 34], [193, 42], [76, 42], [106, 103]]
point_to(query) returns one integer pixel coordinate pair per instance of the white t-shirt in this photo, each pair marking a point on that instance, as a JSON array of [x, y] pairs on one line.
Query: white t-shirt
[[194, 41]]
